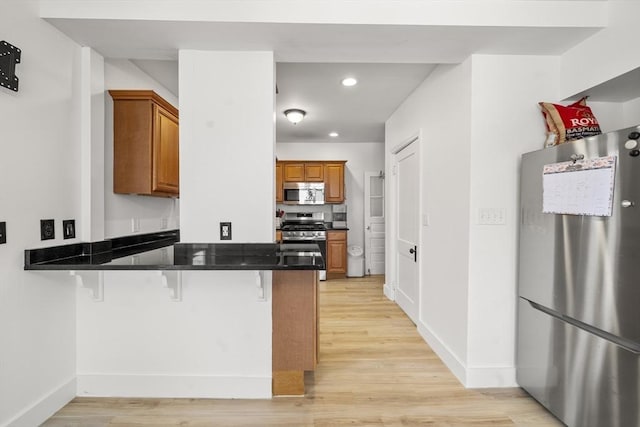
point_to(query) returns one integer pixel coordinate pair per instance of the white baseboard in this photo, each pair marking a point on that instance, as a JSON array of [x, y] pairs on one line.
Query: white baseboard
[[177, 386], [44, 408], [476, 377], [389, 292], [444, 353], [491, 376]]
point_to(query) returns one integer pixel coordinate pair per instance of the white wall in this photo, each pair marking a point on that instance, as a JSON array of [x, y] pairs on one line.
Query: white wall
[[441, 110], [40, 172], [121, 209], [227, 148], [476, 119], [216, 342], [505, 123], [607, 54], [361, 157], [631, 113]]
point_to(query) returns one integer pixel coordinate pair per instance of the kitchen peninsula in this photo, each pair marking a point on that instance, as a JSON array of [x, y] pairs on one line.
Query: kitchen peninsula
[[293, 292]]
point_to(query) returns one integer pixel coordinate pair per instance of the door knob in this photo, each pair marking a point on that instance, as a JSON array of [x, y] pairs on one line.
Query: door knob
[[368, 227], [414, 251]]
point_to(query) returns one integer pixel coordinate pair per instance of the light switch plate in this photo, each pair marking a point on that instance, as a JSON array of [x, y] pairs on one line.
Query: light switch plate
[[492, 216], [69, 229]]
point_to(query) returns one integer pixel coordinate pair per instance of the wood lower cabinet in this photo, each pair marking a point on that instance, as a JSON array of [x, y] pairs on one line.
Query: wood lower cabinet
[[336, 253], [279, 181], [334, 182], [145, 144], [294, 329]]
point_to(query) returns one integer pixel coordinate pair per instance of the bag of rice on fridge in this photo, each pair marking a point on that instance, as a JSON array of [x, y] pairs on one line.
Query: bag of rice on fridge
[[565, 123]]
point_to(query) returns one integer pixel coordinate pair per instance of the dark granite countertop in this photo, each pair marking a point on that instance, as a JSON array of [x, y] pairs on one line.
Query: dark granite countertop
[[161, 251]]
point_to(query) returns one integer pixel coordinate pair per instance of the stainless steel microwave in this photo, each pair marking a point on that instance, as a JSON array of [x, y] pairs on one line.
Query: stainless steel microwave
[[304, 193]]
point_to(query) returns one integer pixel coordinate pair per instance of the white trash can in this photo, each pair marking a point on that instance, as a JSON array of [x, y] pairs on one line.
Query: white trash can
[[355, 262]]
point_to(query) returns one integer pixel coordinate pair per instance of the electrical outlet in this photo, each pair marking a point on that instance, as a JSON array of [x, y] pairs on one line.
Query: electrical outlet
[[47, 229], [164, 223], [135, 225], [225, 231], [69, 229], [3, 232]]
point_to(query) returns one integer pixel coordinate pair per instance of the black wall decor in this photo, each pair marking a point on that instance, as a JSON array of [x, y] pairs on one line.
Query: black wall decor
[[9, 57]]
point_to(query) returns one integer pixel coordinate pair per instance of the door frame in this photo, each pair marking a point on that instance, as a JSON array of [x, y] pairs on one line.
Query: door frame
[[392, 224], [367, 208]]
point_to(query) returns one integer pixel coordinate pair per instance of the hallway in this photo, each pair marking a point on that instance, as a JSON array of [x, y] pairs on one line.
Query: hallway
[[374, 370]]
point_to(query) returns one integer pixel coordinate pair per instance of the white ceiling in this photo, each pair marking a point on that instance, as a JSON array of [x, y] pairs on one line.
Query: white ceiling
[[388, 60]]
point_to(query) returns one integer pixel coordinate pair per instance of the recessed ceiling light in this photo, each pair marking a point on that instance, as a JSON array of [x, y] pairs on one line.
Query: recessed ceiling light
[[334, 134], [349, 81]]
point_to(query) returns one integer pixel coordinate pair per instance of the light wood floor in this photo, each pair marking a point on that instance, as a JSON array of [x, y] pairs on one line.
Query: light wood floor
[[374, 370]]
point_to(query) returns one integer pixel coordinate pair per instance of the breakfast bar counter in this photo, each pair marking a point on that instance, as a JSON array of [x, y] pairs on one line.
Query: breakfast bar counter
[[162, 251], [293, 293]]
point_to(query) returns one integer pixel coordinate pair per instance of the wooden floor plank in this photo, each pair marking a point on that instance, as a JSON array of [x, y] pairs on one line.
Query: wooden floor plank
[[374, 370]]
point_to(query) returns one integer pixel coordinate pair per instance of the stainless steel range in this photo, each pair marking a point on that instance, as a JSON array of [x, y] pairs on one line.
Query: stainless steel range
[[306, 227]]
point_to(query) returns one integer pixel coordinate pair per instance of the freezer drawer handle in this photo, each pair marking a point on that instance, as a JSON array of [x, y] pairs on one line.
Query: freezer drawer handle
[[626, 344]]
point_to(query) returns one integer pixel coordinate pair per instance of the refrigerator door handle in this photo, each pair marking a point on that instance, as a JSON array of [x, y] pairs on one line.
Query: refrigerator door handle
[[626, 344]]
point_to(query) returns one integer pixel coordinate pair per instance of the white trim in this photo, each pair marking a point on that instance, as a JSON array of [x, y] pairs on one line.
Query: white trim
[[476, 377], [491, 376], [404, 144], [44, 408], [175, 386], [389, 291], [455, 365], [417, 139]]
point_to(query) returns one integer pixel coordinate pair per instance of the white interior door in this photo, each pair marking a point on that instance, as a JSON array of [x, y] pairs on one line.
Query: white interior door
[[374, 222], [407, 193]]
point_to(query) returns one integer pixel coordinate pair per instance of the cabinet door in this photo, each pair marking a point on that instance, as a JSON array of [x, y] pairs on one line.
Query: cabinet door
[[165, 152], [337, 252], [334, 183], [279, 189], [294, 172], [314, 172]]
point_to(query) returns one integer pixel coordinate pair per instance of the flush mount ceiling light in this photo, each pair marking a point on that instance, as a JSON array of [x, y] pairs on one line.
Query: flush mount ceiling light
[[334, 134], [295, 115], [349, 81]]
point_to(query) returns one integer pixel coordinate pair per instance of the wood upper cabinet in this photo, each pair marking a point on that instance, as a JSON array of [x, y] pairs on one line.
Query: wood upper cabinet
[[314, 172], [145, 144], [303, 172], [279, 187], [334, 182], [336, 252]]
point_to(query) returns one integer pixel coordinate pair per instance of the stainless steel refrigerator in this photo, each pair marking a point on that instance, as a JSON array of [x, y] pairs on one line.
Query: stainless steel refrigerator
[[578, 334]]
